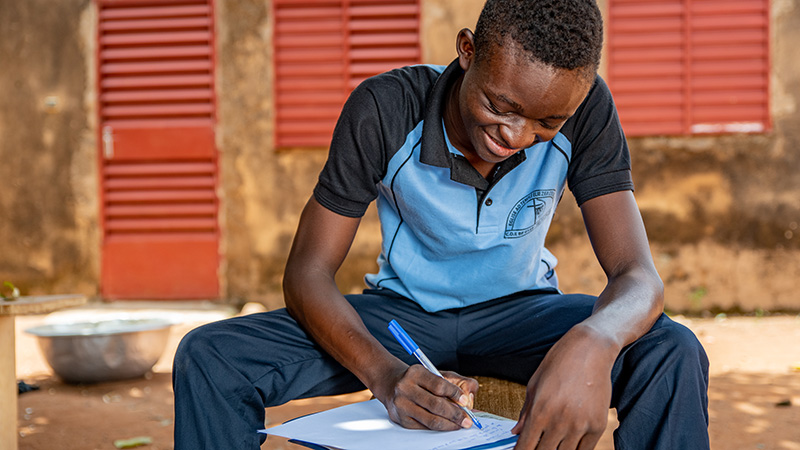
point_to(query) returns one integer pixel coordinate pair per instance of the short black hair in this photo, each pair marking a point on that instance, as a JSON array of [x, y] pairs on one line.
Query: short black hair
[[566, 34]]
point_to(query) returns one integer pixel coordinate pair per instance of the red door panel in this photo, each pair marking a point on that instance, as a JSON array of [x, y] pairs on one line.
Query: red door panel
[[149, 268], [154, 143]]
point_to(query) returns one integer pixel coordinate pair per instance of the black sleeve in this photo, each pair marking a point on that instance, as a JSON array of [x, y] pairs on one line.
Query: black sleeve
[[348, 182], [373, 125], [601, 161]]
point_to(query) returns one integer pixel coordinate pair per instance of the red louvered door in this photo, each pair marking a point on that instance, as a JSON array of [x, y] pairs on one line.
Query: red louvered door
[[324, 48], [157, 153]]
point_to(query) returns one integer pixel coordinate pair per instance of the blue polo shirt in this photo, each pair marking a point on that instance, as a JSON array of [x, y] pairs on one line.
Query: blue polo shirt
[[452, 238]]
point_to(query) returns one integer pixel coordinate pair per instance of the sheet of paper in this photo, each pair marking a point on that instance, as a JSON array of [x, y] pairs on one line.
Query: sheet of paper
[[366, 426]]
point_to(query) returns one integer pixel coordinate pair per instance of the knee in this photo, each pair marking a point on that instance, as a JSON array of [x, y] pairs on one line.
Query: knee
[[195, 347], [680, 345]]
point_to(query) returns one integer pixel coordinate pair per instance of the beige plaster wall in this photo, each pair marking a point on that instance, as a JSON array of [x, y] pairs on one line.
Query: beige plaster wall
[[48, 183], [440, 23]]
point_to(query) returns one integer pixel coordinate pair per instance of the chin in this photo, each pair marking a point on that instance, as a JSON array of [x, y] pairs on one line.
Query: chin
[[490, 157]]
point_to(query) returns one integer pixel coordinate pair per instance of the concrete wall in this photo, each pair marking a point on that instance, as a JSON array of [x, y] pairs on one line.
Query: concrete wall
[[722, 212], [48, 182]]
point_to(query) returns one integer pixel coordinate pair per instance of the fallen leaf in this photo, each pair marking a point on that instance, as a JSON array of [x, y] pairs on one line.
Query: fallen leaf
[[133, 442]]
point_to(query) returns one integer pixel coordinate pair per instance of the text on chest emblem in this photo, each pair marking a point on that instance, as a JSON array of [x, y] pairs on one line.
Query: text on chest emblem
[[529, 212]]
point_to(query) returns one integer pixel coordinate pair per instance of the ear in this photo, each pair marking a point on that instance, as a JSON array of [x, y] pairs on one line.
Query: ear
[[465, 46]]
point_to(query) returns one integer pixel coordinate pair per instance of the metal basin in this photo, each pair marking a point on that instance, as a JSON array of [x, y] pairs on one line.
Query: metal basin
[[108, 350]]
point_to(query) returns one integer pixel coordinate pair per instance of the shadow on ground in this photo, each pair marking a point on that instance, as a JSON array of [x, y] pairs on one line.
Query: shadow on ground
[[755, 411]]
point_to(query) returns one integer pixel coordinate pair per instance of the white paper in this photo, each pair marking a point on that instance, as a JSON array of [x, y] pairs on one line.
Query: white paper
[[366, 426]]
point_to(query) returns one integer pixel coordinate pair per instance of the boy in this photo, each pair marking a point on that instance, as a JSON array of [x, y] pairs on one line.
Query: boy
[[467, 164]]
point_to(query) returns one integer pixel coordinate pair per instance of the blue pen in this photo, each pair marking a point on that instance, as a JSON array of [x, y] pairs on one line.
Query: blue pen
[[413, 349]]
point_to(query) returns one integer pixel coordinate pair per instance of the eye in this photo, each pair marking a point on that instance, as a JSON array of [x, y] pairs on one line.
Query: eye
[[547, 126], [494, 109]]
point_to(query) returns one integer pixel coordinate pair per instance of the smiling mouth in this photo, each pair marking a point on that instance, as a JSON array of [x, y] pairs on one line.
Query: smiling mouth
[[499, 149]]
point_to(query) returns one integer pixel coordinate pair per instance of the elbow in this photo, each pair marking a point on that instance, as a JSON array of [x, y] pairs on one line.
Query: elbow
[[655, 286], [645, 280], [291, 291], [303, 285], [658, 294]]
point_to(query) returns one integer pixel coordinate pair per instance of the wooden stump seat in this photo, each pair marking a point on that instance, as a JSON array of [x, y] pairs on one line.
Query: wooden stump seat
[[500, 397]]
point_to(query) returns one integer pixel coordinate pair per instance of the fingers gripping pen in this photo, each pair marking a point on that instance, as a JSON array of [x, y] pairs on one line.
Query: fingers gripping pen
[[412, 348]]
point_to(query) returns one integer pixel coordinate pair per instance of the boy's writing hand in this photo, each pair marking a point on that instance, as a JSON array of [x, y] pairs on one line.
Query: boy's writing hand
[[568, 397], [420, 399]]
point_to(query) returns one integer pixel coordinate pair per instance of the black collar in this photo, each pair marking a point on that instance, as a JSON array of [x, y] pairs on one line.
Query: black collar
[[434, 151]]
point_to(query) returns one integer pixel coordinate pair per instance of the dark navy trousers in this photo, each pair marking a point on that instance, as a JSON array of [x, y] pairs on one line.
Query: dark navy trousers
[[225, 373]]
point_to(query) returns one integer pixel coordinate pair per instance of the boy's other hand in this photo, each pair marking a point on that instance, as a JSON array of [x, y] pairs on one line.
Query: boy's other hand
[[568, 397], [419, 399]]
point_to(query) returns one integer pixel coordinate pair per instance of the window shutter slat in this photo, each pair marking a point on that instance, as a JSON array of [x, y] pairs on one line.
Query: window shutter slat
[[156, 38], [160, 182], [160, 196], [161, 210], [169, 224], [157, 67], [158, 110], [156, 53], [173, 24], [128, 82], [154, 11], [159, 96], [167, 122], [153, 169]]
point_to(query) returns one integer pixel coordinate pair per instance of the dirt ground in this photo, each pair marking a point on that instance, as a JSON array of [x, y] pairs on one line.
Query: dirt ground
[[754, 390]]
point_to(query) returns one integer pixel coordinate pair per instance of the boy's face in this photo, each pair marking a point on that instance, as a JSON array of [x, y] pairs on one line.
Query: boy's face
[[507, 102]]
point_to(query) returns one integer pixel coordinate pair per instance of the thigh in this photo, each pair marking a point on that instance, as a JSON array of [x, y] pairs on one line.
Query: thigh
[[508, 338], [268, 351], [668, 355], [660, 390], [435, 333], [272, 352]]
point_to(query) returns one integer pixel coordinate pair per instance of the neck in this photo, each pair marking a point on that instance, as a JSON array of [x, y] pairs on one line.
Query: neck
[[454, 126]]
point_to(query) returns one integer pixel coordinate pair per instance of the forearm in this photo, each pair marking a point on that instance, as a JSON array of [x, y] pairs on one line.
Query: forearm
[[320, 246], [628, 306], [313, 299], [634, 295]]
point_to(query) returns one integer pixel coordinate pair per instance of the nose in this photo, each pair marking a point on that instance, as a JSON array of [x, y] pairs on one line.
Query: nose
[[517, 134]]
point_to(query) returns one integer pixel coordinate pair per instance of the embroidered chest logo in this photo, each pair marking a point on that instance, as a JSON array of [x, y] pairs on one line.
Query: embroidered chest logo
[[529, 212]]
